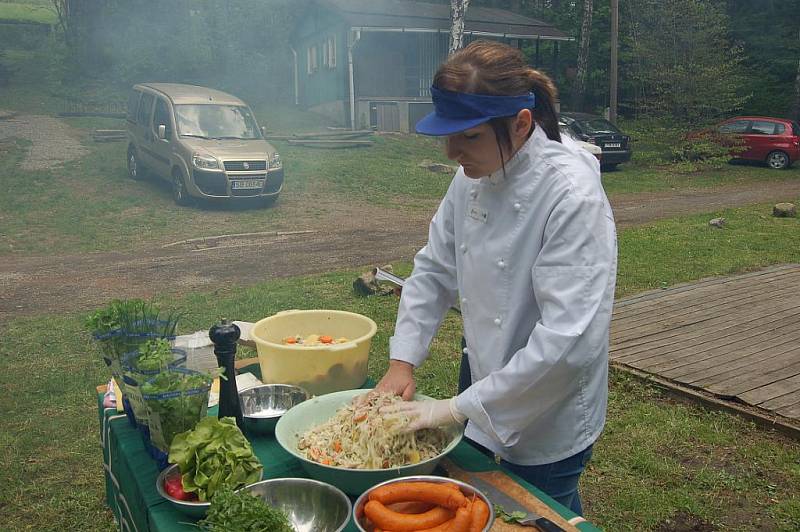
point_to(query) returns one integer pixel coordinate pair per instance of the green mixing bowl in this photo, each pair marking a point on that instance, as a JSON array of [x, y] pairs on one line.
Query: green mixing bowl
[[316, 411]]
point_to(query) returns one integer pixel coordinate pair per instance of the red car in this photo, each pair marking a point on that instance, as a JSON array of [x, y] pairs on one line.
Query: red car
[[775, 141]]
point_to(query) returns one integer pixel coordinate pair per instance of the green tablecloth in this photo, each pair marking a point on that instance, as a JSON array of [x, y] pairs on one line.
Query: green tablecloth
[[131, 476]]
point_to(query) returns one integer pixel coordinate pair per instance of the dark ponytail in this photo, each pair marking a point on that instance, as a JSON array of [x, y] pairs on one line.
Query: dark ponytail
[[546, 93]]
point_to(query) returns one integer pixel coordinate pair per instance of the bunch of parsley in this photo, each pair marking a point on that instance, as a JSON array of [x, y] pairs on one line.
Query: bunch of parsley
[[155, 354], [243, 512], [176, 400]]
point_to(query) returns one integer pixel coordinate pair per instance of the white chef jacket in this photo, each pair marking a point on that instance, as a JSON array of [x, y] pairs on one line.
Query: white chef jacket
[[531, 258]]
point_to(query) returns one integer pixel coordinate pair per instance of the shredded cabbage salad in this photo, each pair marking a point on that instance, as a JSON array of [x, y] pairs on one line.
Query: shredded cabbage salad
[[359, 437]]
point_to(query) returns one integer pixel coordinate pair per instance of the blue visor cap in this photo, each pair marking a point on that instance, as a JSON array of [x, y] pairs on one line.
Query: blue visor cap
[[457, 111]]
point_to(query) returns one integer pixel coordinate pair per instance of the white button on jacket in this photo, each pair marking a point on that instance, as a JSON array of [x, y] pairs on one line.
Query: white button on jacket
[[539, 387]]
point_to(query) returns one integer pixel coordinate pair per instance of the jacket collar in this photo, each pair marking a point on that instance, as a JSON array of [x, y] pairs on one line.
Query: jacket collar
[[519, 160]]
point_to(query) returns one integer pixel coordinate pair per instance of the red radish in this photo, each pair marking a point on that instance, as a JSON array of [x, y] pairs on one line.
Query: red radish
[[174, 488]]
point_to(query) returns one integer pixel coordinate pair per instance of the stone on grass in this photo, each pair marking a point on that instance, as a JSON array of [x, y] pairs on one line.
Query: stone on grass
[[717, 222], [367, 285], [438, 168], [784, 210]]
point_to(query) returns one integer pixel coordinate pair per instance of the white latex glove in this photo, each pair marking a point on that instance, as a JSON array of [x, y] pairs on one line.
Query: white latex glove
[[426, 414]]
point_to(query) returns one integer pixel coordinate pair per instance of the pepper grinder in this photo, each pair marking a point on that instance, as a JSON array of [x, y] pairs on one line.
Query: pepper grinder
[[224, 336]]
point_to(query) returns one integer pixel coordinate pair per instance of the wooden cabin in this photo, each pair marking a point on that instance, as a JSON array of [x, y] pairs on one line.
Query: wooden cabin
[[370, 63]]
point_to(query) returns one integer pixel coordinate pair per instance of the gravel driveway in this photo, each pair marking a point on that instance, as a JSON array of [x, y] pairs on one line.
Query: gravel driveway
[[53, 141]]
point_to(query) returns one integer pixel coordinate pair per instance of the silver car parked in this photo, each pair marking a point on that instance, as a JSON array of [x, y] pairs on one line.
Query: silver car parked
[[205, 142]]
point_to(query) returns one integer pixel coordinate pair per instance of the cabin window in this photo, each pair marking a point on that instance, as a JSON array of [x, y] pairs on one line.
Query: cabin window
[[312, 63], [330, 45]]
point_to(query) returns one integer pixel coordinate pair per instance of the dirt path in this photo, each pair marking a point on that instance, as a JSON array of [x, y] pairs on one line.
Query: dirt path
[[50, 284], [53, 142]]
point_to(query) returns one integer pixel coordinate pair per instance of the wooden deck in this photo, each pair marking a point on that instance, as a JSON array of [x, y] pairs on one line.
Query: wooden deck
[[734, 339]]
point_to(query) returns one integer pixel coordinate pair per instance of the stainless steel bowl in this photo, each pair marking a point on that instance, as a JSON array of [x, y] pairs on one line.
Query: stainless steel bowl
[[310, 504], [467, 489], [263, 405], [193, 509]]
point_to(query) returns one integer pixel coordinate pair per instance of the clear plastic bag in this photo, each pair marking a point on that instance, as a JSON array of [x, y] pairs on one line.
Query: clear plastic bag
[[176, 399]]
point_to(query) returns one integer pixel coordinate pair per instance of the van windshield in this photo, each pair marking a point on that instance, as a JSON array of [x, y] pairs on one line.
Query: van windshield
[[211, 121]]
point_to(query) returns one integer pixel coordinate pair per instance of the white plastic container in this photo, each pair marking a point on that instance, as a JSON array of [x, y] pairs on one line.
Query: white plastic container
[[319, 369]]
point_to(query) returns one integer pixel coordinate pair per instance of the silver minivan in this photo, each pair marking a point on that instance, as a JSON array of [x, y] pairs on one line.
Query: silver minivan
[[205, 142]]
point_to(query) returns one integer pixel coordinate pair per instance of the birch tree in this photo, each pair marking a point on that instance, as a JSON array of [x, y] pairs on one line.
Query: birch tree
[[583, 56], [62, 11], [796, 102], [458, 12]]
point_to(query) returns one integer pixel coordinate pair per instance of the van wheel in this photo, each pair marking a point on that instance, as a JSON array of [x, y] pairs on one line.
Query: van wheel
[[136, 171], [777, 160], [179, 192]]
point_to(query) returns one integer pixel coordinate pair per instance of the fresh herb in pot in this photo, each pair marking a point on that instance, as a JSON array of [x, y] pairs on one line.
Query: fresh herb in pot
[[243, 512], [107, 319], [215, 454], [153, 355], [133, 315], [176, 400]]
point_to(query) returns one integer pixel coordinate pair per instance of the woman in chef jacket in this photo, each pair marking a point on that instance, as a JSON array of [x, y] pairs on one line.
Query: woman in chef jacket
[[524, 242]]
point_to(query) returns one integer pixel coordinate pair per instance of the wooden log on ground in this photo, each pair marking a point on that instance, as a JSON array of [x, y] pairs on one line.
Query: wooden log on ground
[[331, 143], [92, 114], [344, 135], [335, 134]]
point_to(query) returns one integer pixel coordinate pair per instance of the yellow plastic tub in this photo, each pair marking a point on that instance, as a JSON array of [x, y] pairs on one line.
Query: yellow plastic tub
[[319, 369]]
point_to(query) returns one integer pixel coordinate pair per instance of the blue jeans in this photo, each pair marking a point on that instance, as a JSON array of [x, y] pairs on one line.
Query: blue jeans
[[559, 479]]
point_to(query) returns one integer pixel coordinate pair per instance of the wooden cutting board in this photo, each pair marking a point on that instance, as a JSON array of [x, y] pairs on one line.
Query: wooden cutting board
[[510, 487]]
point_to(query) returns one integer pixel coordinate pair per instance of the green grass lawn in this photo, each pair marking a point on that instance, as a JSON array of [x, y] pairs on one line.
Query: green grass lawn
[[683, 249], [95, 207], [656, 460], [28, 12]]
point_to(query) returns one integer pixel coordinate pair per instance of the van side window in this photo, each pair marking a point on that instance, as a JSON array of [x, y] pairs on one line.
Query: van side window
[[143, 116], [161, 116], [795, 129], [133, 104]]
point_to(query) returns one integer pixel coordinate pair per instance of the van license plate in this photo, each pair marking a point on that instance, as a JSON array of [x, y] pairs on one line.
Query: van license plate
[[247, 183], [613, 145]]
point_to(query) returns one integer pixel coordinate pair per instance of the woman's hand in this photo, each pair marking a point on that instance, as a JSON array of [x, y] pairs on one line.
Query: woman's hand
[[426, 414], [399, 380]]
